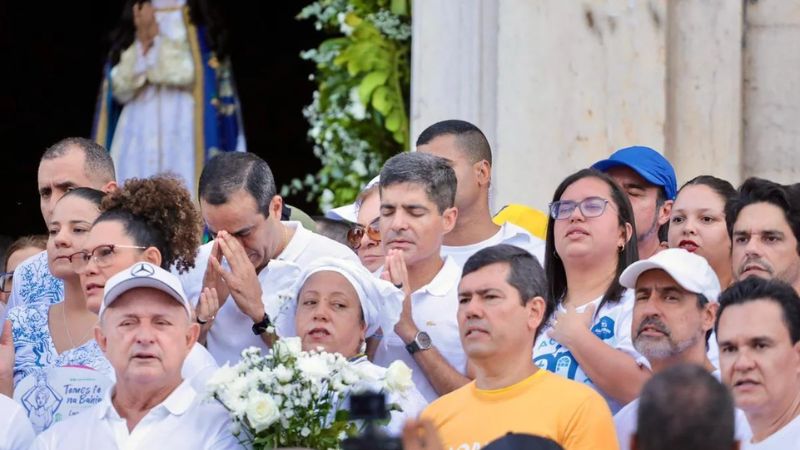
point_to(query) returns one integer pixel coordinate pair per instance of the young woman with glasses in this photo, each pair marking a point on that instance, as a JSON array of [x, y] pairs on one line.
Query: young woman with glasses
[[61, 334], [152, 220], [590, 240]]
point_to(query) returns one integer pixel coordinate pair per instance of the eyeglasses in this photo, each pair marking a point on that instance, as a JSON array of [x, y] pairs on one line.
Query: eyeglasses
[[355, 234], [590, 207], [102, 256], [6, 279]]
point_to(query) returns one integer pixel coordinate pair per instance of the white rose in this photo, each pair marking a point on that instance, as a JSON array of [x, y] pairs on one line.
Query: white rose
[[290, 346], [261, 411], [398, 377], [313, 367], [283, 373], [221, 378]]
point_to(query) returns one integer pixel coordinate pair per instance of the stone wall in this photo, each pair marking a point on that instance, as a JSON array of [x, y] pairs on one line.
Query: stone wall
[[557, 85]]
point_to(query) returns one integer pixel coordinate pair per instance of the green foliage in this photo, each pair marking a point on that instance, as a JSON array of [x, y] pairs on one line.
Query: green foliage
[[358, 116]]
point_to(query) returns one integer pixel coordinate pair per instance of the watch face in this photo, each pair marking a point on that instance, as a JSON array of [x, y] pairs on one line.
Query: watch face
[[423, 340]]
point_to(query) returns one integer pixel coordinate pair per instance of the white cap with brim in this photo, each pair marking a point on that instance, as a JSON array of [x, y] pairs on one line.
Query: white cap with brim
[[689, 270], [144, 275]]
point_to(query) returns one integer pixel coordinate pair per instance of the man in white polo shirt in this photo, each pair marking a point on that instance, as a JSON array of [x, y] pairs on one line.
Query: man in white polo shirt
[[673, 315], [242, 210], [758, 330], [417, 193], [467, 151], [145, 330]]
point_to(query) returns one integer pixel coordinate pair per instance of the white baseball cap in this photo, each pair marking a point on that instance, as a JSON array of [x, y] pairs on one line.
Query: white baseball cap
[[144, 274], [690, 271]]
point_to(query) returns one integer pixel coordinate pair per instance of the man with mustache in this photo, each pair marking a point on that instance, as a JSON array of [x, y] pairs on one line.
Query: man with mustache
[[502, 306], [758, 330], [673, 316], [764, 225], [146, 330], [417, 195]]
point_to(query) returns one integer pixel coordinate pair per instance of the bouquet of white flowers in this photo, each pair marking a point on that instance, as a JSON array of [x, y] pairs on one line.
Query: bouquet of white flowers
[[292, 398]]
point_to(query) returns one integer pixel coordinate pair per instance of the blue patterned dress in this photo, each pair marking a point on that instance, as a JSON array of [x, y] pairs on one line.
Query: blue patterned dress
[[35, 349]]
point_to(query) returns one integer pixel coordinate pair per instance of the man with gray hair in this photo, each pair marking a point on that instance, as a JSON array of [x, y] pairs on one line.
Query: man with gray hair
[[417, 194], [242, 210], [684, 407], [68, 164], [145, 330], [673, 316]]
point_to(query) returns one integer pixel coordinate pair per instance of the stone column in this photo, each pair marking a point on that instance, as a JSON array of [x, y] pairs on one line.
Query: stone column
[[772, 90]]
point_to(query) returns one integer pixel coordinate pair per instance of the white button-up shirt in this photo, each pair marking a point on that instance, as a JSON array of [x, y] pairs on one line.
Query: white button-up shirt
[[434, 308], [184, 420], [16, 432], [231, 332]]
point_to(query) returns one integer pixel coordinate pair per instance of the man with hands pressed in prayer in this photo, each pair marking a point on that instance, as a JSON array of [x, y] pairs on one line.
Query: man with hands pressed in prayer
[[253, 252], [417, 196]]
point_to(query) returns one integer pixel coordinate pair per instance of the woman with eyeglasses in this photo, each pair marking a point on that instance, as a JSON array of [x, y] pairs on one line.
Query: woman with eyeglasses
[[152, 220], [19, 250], [365, 237], [590, 240], [61, 334]]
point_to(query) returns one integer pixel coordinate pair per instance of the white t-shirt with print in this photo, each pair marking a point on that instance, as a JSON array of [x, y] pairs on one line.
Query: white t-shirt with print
[[787, 438], [434, 309], [612, 324], [507, 234]]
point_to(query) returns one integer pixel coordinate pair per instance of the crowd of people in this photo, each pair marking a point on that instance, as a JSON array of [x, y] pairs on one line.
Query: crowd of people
[[649, 317]]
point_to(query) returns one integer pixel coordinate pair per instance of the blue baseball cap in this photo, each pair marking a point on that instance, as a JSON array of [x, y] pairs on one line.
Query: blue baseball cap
[[648, 163]]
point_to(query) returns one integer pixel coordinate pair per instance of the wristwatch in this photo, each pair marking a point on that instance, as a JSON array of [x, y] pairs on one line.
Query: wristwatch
[[422, 341], [260, 327]]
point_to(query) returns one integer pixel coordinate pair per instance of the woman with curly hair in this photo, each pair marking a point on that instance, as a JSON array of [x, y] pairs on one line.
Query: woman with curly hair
[[152, 220]]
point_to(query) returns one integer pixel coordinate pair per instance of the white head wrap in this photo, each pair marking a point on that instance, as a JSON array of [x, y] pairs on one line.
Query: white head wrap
[[381, 302]]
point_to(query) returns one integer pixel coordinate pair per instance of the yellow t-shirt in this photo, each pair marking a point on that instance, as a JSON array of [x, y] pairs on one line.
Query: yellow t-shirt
[[544, 404]]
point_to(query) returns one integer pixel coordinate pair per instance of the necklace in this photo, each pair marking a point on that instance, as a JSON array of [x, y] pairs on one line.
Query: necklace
[[66, 328]]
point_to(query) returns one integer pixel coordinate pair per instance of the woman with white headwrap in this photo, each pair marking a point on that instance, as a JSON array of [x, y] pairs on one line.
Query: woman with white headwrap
[[336, 304]]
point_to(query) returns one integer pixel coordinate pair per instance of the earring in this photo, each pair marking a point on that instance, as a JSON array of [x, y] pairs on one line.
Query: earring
[[555, 255], [363, 347], [621, 248]]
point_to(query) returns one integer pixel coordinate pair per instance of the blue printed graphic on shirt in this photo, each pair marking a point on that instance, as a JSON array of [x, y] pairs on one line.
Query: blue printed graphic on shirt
[[558, 359]]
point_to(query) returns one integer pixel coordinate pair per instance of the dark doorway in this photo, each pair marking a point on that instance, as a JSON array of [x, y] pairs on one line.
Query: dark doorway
[[53, 56]]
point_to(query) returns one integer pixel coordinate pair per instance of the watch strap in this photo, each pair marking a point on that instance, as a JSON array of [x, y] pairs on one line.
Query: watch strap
[[260, 327]]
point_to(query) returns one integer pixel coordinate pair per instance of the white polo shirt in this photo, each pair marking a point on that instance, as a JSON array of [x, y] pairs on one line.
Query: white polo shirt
[[184, 420], [434, 308], [16, 432], [625, 421], [231, 332], [508, 234]]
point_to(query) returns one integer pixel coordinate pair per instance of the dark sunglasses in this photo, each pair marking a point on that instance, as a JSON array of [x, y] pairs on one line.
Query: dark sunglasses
[[355, 234]]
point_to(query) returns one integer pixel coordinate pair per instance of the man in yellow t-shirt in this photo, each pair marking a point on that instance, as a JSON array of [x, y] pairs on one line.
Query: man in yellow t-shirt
[[502, 307]]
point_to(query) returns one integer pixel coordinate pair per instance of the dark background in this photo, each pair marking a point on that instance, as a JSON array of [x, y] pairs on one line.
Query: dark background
[[52, 59]]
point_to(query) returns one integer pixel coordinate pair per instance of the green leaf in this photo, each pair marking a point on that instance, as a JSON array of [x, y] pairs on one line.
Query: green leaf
[[394, 121], [369, 83], [381, 100], [399, 7]]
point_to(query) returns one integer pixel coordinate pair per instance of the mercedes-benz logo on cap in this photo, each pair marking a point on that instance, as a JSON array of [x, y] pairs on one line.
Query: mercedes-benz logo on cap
[[143, 270]]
